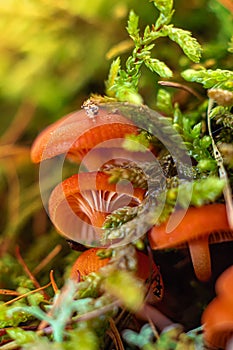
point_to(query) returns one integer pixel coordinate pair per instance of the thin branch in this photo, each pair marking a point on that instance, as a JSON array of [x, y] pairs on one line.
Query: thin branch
[[54, 285], [9, 292], [27, 294], [222, 172], [47, 259], [152, 326], [182, 87], [28, 272], [150, 313], [96, 313]]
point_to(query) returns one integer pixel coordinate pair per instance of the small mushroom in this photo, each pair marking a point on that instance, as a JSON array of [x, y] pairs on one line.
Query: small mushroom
[[218, 315], [93, 140], [86, 263], [76, 134], [79, 205], [147, 271], [199, 227]]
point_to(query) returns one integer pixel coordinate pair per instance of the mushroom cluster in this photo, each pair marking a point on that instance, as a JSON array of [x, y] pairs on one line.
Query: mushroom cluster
[[79, 205]]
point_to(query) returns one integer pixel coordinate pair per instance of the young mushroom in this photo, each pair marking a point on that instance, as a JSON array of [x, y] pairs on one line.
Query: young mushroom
[[199, 227], [217, 318], [79, 205], [86, 263], [147, 271]]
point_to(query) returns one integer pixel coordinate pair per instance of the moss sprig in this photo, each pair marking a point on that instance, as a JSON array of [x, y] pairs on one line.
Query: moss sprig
[[129, 172], [209, 78], [123, 84]]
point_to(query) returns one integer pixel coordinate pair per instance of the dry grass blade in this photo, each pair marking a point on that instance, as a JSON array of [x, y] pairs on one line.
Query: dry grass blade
[[13, 197], [119, 49], [115, 336], [19, 123], [14, 152]]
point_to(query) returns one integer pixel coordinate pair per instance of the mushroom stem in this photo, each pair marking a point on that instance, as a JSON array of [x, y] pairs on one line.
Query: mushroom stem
[[200, 255], [157, 317]]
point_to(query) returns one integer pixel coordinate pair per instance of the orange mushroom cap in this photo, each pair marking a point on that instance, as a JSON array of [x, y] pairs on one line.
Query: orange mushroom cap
[[224, 286], [195, 229], [218, 315], [89, 262], [218, 324], [86, 263], [77, 133], [79, 205]]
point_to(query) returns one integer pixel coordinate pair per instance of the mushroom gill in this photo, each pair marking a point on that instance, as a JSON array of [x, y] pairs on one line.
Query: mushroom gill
[[79, 205]]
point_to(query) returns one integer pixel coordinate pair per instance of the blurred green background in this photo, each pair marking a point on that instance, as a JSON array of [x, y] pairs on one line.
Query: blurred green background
[[53, 55]]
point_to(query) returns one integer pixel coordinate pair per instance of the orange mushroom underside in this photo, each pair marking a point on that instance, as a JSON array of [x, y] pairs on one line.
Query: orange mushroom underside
[[79, 205]]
